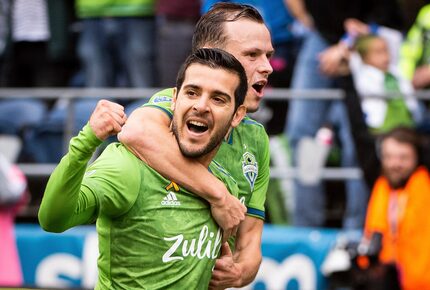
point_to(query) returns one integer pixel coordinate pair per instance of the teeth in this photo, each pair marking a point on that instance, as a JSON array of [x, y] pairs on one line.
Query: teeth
[[195, 123]]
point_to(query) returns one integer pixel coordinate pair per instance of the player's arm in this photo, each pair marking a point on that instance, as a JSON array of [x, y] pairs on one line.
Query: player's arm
[[66, 202], [147, 134], [239, 269]]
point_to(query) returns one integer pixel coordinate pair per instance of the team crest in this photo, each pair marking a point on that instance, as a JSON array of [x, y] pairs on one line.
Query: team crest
[[250, 168]]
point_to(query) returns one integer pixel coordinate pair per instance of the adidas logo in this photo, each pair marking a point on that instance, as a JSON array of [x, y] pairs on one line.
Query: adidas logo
[[170, 199]]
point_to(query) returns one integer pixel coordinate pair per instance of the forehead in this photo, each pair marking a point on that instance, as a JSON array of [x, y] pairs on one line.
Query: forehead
[[244, 34], [377, 43], [392, 146], [213, 79]]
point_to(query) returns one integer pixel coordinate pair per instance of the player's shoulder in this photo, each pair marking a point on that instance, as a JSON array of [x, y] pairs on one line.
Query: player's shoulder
[[162, 101], [252, 128], [251, 123], [221, 173], [118, 156], [163, 96]]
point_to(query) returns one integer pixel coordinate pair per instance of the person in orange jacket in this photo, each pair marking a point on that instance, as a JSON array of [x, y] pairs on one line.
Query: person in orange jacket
[[399, 209]]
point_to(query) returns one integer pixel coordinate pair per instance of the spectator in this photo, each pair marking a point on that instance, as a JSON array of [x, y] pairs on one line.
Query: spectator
[[13, 189], [415, 52], [38, 47], [316, 68], [398, 208], [175, 26], [116, 49], [35, 50], [117, 36], [375, 74], [321, 59]]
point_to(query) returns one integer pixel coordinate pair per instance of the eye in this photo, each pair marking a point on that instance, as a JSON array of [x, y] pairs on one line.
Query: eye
[[219, 100], [190, 93]]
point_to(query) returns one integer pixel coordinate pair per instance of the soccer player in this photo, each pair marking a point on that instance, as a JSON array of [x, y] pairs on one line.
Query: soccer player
[[153, 233], [240, 30]]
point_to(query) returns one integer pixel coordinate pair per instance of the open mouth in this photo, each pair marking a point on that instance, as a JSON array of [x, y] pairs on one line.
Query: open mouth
[[259, 86], [197, 127]]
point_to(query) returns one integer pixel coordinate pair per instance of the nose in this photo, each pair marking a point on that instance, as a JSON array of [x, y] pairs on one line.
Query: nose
[[265, 66], [201, 104]]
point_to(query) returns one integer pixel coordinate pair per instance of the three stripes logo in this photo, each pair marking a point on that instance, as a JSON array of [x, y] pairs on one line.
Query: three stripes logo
[[170, 198]]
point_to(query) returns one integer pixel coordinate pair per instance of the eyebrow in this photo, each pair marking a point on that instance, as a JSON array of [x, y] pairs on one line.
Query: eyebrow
[[191, 86], [260, 51], [216, 92]]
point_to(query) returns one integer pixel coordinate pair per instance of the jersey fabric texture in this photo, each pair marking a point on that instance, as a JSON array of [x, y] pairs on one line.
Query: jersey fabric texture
[[152, 233], [245, 154]]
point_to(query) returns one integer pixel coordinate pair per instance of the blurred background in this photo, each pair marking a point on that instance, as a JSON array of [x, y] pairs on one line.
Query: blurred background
[[345, 74]]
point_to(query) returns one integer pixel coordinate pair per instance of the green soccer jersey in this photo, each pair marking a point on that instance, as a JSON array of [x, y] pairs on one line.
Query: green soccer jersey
[[153, 234], [245, 155]]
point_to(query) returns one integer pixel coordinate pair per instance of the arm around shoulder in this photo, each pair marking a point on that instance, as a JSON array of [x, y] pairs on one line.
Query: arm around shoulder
[[147, 134]]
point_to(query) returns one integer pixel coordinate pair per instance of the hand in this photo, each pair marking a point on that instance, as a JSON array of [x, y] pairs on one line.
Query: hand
[[107, 119], [421, 77], [333, 60], [228, 213], [355, 27], [226, 273]]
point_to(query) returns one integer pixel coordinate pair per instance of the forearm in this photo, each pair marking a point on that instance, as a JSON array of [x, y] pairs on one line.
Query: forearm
[[247, 254], [64, 204], [298, 10], [148, 136]]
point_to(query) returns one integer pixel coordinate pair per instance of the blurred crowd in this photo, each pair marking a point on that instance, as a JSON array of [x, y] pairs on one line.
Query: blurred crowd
[[376, 51]]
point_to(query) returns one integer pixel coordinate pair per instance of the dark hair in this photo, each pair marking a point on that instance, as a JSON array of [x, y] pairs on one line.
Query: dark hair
[[217, 58], [209, 29], [405, 135]]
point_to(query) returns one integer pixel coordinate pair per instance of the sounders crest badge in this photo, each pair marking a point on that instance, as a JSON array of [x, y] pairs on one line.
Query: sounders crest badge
[[250, 168]]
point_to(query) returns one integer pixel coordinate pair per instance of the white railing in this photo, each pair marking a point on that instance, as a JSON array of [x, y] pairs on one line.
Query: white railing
[[70, 94]]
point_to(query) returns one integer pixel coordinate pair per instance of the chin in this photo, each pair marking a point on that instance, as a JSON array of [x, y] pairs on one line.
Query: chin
[[252, 107]]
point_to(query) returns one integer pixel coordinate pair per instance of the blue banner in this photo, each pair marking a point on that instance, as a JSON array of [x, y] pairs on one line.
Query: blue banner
[[292, 257]]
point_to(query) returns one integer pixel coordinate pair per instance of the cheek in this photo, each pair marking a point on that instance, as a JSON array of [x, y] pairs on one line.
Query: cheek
[[249, 68]]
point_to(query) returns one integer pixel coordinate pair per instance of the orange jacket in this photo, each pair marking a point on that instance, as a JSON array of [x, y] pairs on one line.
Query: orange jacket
[[406, 229]]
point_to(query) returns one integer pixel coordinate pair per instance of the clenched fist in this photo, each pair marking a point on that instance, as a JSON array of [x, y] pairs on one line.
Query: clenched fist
[[107, 119]]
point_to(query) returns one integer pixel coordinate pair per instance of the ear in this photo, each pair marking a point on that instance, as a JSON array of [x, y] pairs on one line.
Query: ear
[[238, 116], [174, 97]]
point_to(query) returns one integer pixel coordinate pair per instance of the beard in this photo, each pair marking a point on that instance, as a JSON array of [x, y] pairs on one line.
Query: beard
[[399, 181], [213, 143]]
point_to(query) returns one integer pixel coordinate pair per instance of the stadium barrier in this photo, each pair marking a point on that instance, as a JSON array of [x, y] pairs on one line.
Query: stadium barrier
[[70, 94], [271, 94], [292, 257]]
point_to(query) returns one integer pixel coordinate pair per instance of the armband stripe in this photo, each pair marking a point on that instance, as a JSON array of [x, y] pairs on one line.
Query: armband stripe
[[256, 212]]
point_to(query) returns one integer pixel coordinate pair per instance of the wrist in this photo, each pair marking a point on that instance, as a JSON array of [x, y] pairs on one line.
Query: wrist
[[218, 196]]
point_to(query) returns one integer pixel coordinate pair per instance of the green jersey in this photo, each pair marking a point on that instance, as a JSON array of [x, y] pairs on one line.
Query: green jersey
[[153, 234], [245, 154]]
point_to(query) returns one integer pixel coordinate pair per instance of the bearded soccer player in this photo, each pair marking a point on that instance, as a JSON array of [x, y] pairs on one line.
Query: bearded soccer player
[[153, 233], [240, 30]]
